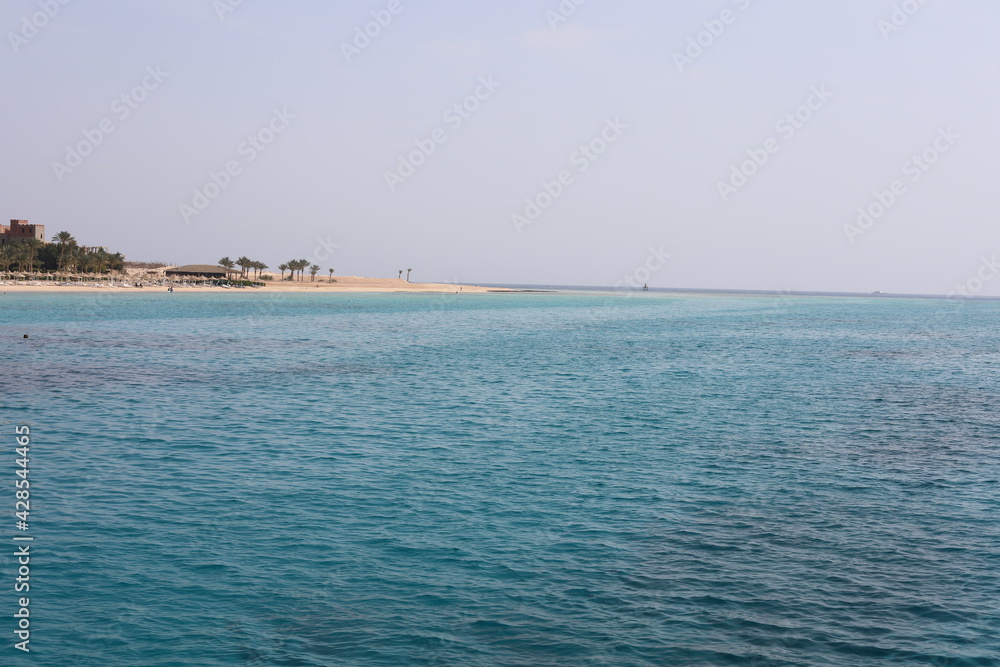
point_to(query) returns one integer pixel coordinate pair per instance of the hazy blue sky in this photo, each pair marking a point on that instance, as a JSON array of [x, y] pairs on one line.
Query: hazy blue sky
[[679, 127]]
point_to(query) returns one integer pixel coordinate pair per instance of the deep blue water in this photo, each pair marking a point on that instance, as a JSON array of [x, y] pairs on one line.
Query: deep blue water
[[243, 479]]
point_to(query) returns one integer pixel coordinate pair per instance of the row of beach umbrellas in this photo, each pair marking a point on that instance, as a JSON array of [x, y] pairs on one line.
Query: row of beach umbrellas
[[21, 275]]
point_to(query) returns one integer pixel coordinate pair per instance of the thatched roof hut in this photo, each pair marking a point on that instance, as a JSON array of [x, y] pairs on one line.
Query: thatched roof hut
[[202, 271]]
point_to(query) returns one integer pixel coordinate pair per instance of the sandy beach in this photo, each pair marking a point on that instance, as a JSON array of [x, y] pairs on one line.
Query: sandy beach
[[340, 284]]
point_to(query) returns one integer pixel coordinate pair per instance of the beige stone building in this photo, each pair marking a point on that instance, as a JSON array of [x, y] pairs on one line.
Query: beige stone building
[[21, 230]]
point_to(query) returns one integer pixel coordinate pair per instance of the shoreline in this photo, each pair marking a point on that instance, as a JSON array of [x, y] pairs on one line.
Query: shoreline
[[357, 285], [347, 284]]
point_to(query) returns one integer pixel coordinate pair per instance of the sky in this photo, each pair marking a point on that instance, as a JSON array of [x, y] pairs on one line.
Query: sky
[[837, 145]]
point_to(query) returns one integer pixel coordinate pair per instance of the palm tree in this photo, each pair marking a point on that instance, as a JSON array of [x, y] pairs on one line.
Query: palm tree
[[73, 255], [283, 267], [6, 256], [65, 254], [64, 239], [29, 253], [116, 262], [13, 253], [408, 275], [260, 266], [81, 260], [102, 260], [244, 264], [226, 263], [9, 254], [313, 270], [331, 275], [401, 274]]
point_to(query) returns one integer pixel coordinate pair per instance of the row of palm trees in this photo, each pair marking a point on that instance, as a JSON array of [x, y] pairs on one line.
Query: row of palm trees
[[295, 267], [298, 266], [62, 254], [246, 266], [24, 255]]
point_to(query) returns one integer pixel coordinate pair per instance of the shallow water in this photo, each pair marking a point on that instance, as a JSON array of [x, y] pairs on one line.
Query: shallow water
[[506, 479]]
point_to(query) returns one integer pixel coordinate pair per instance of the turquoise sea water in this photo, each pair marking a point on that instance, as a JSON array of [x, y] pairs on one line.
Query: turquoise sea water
[[245, 479]]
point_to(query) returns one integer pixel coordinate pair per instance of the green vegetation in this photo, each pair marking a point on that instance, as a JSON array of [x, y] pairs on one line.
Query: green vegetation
[[252, 269], [296, 266], [246, 266], [62, 254]]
